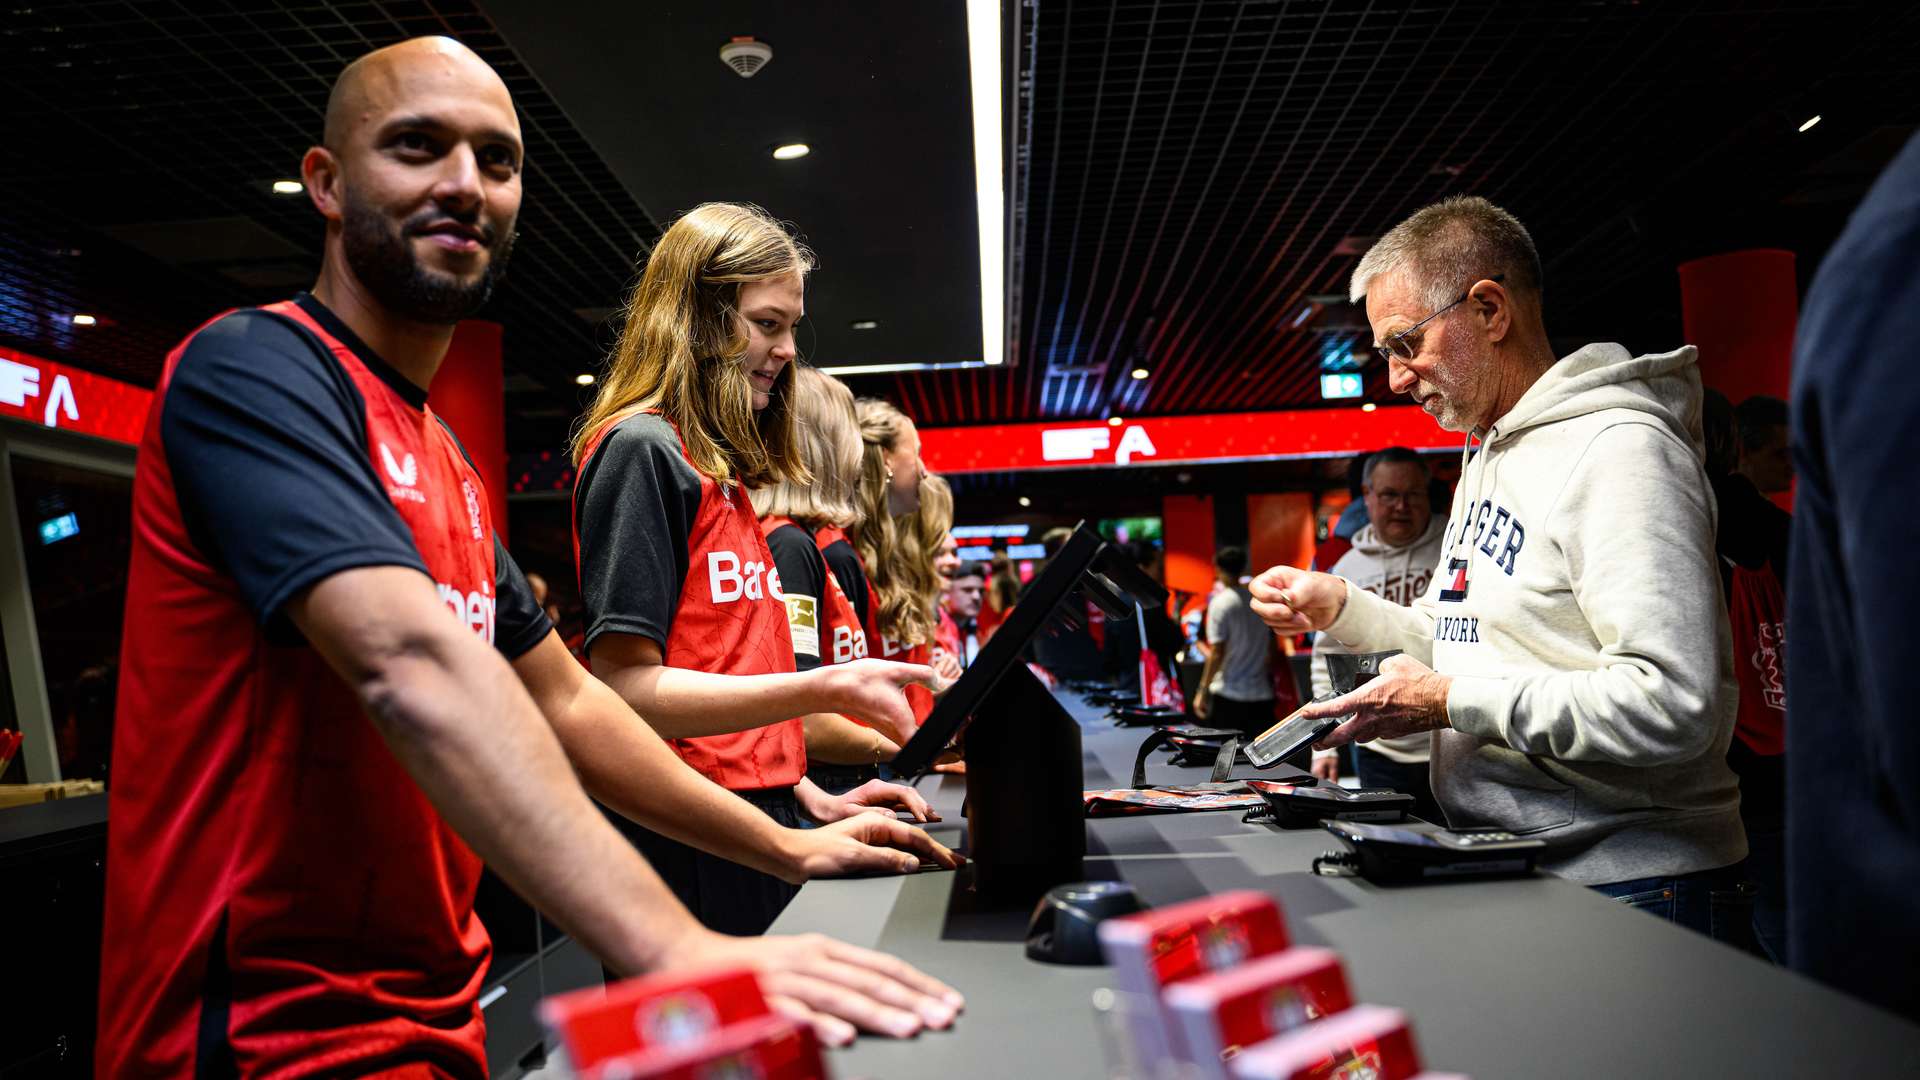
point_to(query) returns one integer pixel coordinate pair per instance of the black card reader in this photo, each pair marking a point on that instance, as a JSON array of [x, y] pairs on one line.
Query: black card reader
[[1392, 855]]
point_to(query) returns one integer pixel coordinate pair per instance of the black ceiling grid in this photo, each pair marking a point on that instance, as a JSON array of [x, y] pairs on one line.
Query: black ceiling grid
[[131, 117], [1199, 175], [1220, 164]]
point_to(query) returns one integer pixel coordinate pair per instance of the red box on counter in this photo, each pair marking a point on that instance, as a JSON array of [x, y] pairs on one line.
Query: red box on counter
[[763, 1048], [1216, 1015], [660, 1012], [1366, 1042], [1155, 949]]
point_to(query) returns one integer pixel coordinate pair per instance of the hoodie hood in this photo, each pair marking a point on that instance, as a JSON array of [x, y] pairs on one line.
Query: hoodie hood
[[1606, 376], [1665, 387]]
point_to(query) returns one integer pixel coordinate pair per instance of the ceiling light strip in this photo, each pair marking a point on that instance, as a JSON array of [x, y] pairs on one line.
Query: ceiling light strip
[[983, 56], [884, 369]]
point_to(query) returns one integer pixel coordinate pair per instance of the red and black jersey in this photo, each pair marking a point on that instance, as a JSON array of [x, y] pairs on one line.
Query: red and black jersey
[[820, 617], [668, 554], [887, 648], [281, 897], [846, 566]]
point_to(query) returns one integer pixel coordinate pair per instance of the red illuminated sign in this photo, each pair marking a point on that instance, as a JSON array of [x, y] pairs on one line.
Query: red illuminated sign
[[1169, 440], [57, 396]]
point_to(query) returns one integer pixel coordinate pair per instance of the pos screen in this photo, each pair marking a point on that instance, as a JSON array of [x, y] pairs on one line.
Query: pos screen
[[1086, 566]]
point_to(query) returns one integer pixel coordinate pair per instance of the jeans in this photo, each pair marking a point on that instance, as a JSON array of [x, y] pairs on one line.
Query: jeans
[[1377, 770], [1763, 786], [1717, 903]]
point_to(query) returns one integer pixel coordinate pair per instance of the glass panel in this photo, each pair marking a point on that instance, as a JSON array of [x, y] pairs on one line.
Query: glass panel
[[77, 526]]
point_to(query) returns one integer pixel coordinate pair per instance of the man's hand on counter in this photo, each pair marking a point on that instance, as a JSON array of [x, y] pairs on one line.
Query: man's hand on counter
[[1294, 601], [872, 795], [838, 988], [1407, 697]]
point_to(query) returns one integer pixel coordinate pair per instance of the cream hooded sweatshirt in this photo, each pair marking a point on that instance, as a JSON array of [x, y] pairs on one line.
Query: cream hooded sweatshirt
[[1400, 574], [1577, 608]]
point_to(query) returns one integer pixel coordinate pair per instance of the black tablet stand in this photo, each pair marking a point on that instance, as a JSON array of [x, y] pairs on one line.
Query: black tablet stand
[[1026, 823]]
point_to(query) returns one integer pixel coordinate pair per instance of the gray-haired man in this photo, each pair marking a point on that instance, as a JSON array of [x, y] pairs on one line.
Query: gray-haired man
[[1572, 654]]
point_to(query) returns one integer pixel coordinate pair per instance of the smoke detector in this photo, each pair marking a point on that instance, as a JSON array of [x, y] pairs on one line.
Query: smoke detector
[[745, 55]]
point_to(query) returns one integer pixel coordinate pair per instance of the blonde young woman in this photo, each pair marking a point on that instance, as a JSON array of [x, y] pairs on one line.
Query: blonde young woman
[[899, 621], [801, 521], [929, 535], [683, 605]]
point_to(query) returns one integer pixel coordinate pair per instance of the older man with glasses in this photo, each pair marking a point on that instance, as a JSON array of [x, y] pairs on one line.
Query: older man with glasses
[[1571, 655]]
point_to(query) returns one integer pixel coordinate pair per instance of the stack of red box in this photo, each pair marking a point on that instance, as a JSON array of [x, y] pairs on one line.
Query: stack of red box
[[1211, 990], [681, 1027]]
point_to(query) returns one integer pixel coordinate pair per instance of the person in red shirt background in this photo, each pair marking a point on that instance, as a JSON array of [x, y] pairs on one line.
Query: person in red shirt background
[[684, 612]]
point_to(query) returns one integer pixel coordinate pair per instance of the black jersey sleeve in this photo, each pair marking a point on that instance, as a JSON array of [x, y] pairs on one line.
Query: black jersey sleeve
[[844, 562], [636, 501], [518, 623], [266, 439], [803, 582]]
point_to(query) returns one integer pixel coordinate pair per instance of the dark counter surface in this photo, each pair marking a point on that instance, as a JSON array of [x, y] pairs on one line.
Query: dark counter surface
[[1525, 978], [24, 828]]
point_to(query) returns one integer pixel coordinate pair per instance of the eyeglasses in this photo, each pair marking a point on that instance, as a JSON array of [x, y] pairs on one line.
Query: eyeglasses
[[1406, 343]]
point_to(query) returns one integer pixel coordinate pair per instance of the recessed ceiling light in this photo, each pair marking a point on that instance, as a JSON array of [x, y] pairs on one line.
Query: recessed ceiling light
[[1368, 407], [1139, 373], [791, 151], [585, 378], [1814, 120], [1113, 421], [84, 320], [288, 187], [1024, 501], [863, 324]]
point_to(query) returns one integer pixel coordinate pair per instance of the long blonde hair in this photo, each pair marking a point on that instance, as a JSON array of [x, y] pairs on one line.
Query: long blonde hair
[[827, 438], [922, 533], [680, 350], [880, 538]]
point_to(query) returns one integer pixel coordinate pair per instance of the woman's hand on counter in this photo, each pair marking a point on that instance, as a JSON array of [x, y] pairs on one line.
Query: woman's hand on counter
[[872, 795], [873, 692], [838, 988], [863, 844]]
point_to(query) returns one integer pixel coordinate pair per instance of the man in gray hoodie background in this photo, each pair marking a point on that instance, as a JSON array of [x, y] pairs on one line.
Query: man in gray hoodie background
[[1572, 655], [1392, 557]]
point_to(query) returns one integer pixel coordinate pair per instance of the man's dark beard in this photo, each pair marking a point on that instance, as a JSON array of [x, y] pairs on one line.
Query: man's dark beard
[[382, 258]]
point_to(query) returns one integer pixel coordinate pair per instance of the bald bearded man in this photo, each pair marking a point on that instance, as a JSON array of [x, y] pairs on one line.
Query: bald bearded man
[[318, 758]]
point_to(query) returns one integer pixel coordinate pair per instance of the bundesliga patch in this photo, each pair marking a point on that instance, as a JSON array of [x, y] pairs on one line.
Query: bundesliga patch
[[803, 619]]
